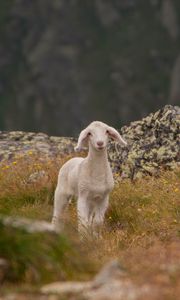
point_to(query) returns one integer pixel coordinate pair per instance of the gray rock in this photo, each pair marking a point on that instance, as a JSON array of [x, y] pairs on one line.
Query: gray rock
[[70, 287], [18, 142], [110, 271], [29, 296], [110, 283], [153, 144], [120, 290], [37, 176], [27, 224]]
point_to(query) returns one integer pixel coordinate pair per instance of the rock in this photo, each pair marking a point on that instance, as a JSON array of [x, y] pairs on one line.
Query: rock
[[26, 224], [110, 283], [120, 290], [21, 143], [29, 296], [153, 144], [37, 176], [65, 287], [110, 271]]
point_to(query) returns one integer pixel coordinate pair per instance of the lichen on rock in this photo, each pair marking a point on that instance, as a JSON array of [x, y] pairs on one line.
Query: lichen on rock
[[19, 142], [153, 143]]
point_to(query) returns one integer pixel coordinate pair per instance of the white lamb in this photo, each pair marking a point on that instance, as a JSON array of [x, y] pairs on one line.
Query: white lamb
[[90, 179]]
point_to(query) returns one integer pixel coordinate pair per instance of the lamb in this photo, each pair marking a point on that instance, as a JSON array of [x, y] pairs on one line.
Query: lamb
[[89, 179]]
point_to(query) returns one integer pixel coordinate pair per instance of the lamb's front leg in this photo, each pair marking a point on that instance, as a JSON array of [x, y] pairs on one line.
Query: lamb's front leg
[[83, 211], [99, 213]]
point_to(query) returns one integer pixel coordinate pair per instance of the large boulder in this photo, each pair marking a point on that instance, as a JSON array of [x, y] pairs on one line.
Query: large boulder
[[153, 144]]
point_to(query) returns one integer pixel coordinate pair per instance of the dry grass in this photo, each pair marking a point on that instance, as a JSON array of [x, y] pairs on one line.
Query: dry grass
[[141, 227]]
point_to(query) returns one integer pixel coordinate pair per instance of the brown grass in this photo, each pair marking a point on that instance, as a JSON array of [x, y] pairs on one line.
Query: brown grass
[[141, 227]]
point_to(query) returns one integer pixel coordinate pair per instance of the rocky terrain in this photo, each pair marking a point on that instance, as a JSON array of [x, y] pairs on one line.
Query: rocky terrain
[[153, 145], [18, 142]]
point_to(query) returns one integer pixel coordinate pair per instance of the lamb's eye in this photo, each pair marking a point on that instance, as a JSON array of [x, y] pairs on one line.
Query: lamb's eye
[[107, 131], [89, 133]]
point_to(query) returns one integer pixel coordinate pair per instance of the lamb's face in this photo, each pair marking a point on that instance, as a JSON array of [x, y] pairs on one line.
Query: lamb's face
[[98, 136]]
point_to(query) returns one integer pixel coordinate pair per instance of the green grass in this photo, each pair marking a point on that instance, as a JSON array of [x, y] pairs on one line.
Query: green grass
[[25, 252]]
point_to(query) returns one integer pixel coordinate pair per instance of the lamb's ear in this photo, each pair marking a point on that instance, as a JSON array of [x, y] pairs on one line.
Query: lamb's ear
[[114, 134], [83, 139]]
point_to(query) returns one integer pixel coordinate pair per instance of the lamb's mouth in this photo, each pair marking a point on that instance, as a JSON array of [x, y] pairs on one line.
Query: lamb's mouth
[[100, 148]]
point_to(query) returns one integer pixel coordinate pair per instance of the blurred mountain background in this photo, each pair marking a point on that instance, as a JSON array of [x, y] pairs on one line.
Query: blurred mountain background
[[64, 63]]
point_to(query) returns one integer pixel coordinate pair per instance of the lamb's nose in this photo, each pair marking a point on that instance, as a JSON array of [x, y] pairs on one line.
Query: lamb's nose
[[100, 143]]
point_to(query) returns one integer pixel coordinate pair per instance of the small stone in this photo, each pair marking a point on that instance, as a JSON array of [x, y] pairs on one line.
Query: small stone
[[37, 176], [27, 224], [65, 287]]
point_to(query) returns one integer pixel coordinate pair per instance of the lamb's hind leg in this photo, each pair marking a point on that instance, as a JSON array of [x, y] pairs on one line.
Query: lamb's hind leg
[[61, 200]]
